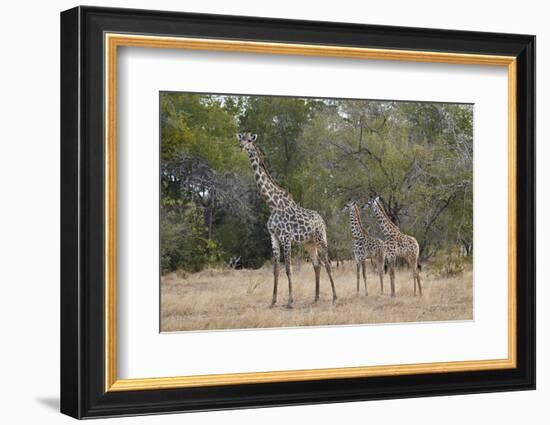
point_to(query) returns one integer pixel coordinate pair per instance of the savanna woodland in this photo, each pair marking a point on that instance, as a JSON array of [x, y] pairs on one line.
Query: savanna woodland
[[418, 157]]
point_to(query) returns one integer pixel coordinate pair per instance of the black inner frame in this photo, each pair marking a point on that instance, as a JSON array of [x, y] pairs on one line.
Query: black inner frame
[[82, 212]]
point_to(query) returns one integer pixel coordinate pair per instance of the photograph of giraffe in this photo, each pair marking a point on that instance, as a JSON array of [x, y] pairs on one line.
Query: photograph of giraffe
[[297, 211]]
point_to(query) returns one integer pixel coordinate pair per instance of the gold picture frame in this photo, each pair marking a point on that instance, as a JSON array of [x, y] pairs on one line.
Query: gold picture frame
[[114, 41]]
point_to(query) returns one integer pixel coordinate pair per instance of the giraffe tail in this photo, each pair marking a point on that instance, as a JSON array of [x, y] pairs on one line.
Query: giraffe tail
[[419, 266], [385, 267]]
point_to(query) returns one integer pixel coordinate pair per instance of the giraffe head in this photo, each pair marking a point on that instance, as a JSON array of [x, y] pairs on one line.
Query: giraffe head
[[246, 140], [349, 205], [370, 203]]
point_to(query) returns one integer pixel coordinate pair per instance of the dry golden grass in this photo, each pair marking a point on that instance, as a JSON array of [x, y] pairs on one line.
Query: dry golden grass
[[239, 299]]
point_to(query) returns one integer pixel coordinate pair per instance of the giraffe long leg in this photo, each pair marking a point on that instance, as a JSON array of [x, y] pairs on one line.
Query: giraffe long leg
[[323, 254], [391, 265], [380, 269], [364, 268], [276, 256], [317, 269], [358, 274], [417, 273], [314, 255], [288, 268], [413, 265]]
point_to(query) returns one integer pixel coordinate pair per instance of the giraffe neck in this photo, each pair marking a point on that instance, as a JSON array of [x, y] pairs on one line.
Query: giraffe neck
[[273, 195], [389, 229], [357, 228]]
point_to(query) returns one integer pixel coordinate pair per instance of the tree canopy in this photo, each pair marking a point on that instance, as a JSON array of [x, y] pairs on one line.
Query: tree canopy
[[416, 156]]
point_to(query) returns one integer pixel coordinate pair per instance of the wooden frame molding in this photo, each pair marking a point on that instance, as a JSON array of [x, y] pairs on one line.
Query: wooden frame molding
[[114, 40]]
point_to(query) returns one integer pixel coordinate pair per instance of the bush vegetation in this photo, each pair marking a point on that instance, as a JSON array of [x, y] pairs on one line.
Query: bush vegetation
[[416, 156]]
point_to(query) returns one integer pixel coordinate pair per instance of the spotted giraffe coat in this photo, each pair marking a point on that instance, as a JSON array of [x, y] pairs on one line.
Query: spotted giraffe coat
[[288, 223], [365, 246]]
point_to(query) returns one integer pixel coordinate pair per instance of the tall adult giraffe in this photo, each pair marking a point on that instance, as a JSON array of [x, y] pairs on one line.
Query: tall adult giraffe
[[364, 246], [396, 244], [288, 223]]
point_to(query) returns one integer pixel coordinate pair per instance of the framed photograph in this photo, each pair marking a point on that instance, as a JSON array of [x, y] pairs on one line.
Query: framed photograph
[[261, 212]]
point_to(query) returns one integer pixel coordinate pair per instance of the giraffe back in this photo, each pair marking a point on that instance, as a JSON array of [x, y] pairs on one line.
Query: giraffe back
[[297, 224]]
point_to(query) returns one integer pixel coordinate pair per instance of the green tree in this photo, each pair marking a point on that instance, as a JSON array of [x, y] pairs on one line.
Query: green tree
[[416, 156]]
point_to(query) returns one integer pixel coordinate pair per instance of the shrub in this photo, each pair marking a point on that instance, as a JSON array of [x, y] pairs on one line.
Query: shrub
[[450, 263], [183, 244]]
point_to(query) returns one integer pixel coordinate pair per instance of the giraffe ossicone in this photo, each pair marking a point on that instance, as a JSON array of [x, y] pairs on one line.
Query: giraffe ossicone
[[288, 223]]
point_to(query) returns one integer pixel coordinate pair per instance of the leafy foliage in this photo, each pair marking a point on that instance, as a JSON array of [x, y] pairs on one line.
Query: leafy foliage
[[416, 156], [183, 242]]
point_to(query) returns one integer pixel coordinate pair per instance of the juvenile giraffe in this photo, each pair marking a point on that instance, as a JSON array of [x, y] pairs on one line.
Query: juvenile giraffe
[[396, 244], [288, 223], [364, 246]]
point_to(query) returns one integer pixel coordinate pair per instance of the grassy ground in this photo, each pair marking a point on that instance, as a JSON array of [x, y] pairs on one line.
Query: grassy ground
[[237, 299]]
